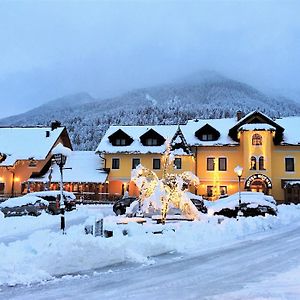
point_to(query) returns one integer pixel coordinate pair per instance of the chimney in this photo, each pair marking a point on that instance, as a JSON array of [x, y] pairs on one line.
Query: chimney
[[239, 115], [47, 133], [55, 124]]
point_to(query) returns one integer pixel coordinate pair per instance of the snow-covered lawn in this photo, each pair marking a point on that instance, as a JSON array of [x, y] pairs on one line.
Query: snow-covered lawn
[[32, 248]]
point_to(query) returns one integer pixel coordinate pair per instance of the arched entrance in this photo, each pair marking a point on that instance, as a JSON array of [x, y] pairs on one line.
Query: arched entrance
[[259, 186], [258, 183]]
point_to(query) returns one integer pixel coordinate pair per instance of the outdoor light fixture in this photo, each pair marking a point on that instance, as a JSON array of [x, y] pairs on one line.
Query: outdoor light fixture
[[60, 154], [239, 171]]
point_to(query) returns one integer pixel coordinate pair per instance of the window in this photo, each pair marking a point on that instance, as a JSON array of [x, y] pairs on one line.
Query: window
[[253, 163], [256, 139], [261, 163], [209, 190], [207, 137], [151, 142], [32, 163], [156, 163], [210, 164], [223, 190], [289, 164], [177, 163], [222, 164], [120, 142], [135, 162], [2, 188], [115, 164]]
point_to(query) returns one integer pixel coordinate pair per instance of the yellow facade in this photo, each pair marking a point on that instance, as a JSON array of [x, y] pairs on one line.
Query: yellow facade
[[256, 150], [119, 179], [274, 164]]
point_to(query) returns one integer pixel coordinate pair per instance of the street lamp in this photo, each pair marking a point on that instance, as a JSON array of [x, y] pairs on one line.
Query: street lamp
[[239, 171], [60, 154]]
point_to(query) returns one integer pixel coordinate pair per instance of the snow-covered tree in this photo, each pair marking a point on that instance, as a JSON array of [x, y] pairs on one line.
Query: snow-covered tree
[[170, 189]]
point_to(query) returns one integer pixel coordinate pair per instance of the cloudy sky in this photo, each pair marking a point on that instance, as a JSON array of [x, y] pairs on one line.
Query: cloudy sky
[[53, 48]]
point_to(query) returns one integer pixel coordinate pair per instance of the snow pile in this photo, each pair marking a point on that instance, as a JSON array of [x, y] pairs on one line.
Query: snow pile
[[24, 200], [47, 253], [61, 149], [253, 198], [68, 195]]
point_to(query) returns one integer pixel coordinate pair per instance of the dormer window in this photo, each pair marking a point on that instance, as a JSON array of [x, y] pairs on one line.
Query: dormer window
[[207, 133], [120, 142], [152, 138], [207, 137], [151, 142], [256, 139], [120, 138]]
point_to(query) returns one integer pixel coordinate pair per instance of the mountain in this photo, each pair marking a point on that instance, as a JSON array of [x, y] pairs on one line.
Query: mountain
[[201, 95]]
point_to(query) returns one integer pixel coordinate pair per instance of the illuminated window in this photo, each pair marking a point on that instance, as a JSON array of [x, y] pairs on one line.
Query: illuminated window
[[256, 139], [261, 163], [253, 163], [222, 164], [223, 190], [209, 190], [2, 188], [177, 163], [210, 164]]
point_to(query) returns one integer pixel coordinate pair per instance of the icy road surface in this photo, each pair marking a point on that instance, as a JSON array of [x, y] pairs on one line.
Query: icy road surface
[[237, 270]]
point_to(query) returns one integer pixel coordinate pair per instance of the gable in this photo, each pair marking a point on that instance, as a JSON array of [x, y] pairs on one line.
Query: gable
[[120, 138], [152, 138], [178, 142], [257, 118], [207, 133]]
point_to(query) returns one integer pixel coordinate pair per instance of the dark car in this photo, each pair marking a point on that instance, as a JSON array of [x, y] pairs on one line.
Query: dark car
[[53, 198], [22, 206], [119, 207], [200, 205]]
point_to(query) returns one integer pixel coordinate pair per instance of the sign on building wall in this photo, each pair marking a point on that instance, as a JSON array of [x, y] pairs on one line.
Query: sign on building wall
[[262, 177]]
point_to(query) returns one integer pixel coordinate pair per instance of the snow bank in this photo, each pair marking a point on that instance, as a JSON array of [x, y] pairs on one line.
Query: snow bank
[[24, 200], [47, 253]]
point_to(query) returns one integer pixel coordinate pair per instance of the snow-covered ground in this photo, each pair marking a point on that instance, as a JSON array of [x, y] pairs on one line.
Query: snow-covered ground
[[251, 254]]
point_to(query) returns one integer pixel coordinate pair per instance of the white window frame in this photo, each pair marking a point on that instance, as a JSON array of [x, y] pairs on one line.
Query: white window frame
[[289, 172], [112, 163]]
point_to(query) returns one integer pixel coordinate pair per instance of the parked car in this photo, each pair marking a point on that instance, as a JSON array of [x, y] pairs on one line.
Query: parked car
[[200, 205], [119, 207], [25, 205], [252, 204], [53, 198]]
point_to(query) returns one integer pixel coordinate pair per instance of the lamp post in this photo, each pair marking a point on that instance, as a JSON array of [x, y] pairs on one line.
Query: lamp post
[[60, 156], [239, 171]]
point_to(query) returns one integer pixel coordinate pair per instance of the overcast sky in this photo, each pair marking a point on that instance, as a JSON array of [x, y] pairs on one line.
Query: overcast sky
[[52, 48]]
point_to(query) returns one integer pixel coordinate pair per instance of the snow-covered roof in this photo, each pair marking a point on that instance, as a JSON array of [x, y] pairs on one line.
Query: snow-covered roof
[[257, 126], [291, 183], [20, 143], [291, 134], [221, 125], [81, 166], [135, 132]]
